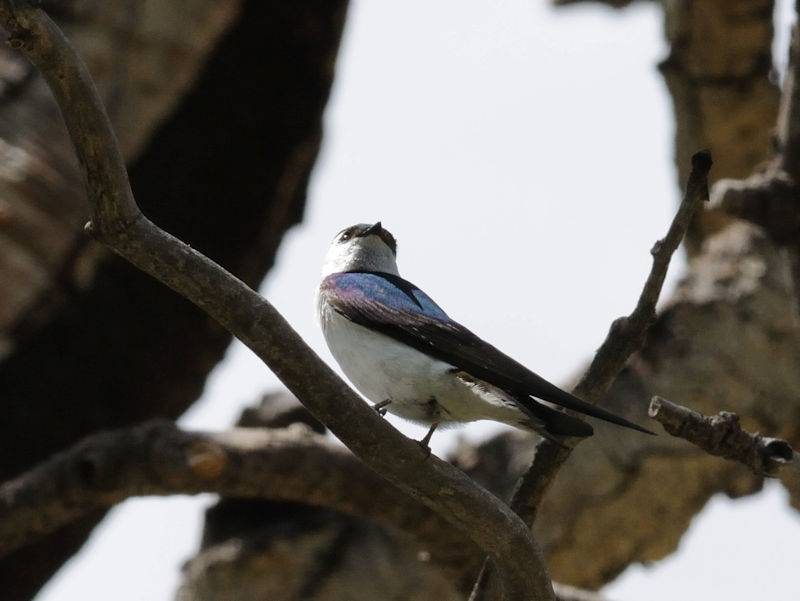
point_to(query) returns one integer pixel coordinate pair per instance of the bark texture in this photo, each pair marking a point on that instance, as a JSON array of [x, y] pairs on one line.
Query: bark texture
[[720, 76], [87, 341]]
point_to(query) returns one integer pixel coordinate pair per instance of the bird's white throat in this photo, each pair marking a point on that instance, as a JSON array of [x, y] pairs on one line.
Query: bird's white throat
[[367, 253]]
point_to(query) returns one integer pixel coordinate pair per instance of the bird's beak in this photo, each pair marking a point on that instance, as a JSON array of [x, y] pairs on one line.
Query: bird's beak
[[375, 228]]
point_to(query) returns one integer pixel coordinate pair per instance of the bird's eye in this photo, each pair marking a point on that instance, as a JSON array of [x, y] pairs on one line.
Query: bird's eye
[[347, 234]]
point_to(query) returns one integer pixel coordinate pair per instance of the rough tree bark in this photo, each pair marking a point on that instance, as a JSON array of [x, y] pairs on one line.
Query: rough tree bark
[[88, 342]]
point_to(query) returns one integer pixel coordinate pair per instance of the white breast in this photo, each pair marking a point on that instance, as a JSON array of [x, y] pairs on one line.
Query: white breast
[[421, 388]]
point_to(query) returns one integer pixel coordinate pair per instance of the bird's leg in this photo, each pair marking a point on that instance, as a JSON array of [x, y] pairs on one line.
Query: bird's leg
[[427, 438], [380, 407]]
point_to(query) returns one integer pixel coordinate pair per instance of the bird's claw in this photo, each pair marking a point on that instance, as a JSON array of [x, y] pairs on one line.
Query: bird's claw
[[424, 446], [380, 408], [426, 439]]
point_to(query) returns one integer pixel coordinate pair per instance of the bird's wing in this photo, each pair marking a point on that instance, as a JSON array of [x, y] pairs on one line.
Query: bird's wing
[[396, 308]]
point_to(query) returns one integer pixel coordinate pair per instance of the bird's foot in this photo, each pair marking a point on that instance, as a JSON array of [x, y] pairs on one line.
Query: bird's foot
[[426, 439], [425, 448], [380, 407]]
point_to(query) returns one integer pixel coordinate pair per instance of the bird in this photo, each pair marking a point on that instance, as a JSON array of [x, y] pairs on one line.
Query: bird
[[406, 355]]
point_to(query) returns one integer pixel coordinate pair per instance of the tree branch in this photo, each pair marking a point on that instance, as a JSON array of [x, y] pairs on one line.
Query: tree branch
[[626, 336], [722, 435], [117, 222], [157, 458]]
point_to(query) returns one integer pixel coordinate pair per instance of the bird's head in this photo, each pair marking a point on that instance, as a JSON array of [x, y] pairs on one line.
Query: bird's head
[[362, 247]]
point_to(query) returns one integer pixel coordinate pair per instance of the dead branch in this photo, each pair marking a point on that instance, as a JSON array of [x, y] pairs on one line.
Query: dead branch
[[626, 336], [722, 435]]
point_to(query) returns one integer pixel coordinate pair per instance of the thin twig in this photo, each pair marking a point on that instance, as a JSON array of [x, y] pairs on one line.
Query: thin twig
[[722, 435], [117, 222], [626, 336]]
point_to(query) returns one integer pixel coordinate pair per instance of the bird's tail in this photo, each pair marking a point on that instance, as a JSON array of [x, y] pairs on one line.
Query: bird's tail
[[562, 423], [549, 421], [553, 394]]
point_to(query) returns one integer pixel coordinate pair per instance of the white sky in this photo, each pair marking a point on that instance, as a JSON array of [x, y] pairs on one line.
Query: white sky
[[523, 158]]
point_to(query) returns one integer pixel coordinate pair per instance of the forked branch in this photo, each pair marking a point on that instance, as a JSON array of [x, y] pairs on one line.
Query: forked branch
[[626, 336]]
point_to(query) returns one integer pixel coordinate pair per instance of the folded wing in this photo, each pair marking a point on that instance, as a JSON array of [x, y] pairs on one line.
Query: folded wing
[[393, 306]]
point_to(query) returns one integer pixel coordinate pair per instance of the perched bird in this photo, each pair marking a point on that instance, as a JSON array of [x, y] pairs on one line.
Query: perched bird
[[404, 353]]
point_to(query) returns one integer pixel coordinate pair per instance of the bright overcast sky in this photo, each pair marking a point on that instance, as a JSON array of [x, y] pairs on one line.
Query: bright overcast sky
[[523, 158]]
